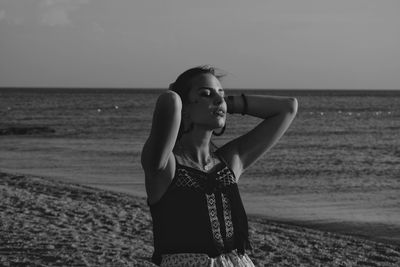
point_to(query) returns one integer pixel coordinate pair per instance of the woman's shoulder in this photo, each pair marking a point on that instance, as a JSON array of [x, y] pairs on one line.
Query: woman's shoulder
[[158, 183], [230, 159]]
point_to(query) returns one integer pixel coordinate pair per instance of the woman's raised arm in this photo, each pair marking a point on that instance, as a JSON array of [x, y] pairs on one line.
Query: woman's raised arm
[[277, 112], [157, 150]]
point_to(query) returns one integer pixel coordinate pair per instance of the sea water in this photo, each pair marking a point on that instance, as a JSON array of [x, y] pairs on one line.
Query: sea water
[[337, 166]]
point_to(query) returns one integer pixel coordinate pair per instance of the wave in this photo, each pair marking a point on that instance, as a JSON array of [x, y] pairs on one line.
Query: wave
[[26, 130]]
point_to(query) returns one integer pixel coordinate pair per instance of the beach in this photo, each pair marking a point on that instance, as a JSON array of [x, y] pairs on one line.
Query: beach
[[45, 222], [73, 194]]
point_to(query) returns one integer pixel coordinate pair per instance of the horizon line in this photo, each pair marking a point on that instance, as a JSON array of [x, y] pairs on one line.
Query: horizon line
[[161, 88]]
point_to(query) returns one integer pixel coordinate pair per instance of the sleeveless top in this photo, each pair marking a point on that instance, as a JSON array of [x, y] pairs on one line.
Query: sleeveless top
[[200, 213]]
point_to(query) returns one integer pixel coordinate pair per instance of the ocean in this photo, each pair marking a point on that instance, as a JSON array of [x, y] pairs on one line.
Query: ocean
[[336, 168]]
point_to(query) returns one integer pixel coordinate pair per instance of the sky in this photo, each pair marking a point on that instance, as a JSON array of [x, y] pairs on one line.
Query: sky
[[275, 44]]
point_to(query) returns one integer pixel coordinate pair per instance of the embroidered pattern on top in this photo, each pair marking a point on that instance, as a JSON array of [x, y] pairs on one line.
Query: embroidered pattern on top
[[223, 178], [227, 216], [185, 259], [226, 177], [186, 180], [215, 226], [195, 180], [195, 259]]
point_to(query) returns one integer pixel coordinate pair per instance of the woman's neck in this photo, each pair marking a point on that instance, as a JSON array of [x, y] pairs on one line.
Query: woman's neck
[[196, 145]]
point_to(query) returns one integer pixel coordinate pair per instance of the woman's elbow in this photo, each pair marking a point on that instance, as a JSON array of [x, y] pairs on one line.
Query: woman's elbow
[[169, 100], [292, 105]]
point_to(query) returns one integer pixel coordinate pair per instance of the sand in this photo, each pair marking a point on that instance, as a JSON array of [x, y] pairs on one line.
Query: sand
[[50, 223]]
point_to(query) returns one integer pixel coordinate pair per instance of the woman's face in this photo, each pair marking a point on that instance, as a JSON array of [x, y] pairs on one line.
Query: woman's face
[[206, 107]]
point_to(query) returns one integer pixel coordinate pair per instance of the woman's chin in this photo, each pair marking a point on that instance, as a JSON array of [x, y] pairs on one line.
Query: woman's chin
[[215, 124], [220, 124]]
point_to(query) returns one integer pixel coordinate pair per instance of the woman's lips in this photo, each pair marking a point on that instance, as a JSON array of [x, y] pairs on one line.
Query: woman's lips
[[219, 112]]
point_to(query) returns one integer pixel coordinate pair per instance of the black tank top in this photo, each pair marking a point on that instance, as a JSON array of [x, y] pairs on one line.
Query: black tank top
[[200, 213]]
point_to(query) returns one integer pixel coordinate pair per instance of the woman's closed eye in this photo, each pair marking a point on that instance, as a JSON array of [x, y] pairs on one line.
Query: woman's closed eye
[[209, 93], [205, 93]]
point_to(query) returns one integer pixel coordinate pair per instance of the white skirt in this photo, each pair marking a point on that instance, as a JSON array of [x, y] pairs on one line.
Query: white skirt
[[199, 260]]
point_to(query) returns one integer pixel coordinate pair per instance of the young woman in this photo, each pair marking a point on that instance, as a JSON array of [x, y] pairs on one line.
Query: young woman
[[198, 215]]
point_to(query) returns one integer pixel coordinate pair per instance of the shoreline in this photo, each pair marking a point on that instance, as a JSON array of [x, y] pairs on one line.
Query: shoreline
[[354, 229], [45, 221], [379, 232]]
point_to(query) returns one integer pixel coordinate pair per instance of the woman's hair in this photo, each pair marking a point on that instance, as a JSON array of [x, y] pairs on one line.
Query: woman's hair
[[182, 85]]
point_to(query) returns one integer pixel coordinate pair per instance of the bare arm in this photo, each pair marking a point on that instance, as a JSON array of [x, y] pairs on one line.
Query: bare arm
[[157, 151], [277, 112]]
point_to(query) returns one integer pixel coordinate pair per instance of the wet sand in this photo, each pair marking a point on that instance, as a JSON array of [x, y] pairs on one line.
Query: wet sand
[[49, 223]]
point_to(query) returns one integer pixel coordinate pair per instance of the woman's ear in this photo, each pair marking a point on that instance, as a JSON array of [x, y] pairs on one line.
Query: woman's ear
[[186, 120]]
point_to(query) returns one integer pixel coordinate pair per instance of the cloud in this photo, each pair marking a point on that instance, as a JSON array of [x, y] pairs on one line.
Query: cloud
[[45, 12], [97, 28], [9, 17], [57, 12], [56, 16], [2, 14]]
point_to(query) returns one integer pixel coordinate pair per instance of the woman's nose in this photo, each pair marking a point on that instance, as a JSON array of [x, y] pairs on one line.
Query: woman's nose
[[218, 99]]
